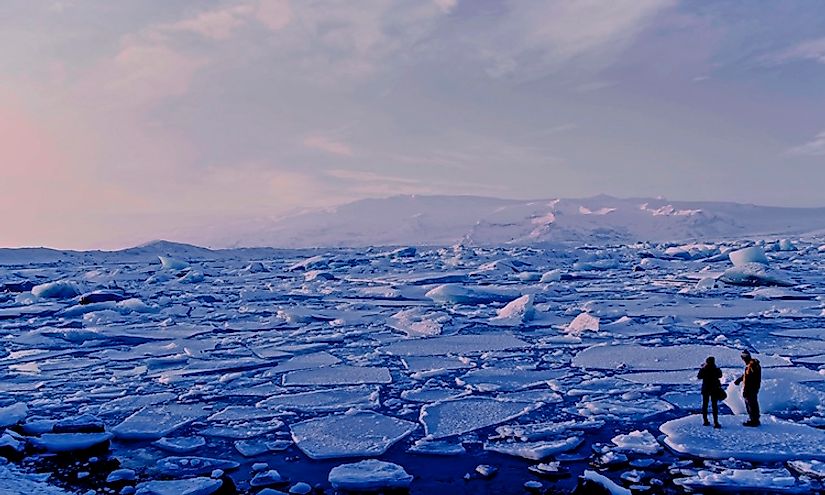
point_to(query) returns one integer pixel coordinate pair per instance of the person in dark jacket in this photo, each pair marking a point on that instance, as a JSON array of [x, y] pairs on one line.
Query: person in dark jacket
[[710, 375], [751, 382]]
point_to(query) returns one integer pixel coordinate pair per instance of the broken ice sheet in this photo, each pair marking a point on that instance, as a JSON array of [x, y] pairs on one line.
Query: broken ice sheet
[[354, 434], [153, 422], [458, 416], [338, 375], [324, 400], [505, 380]]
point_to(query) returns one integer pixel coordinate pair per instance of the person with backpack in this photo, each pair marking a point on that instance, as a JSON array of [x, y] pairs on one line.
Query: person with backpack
[[751, 382]]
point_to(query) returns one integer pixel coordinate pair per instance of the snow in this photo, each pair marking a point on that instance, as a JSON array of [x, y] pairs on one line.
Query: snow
[[369, 475], [774, 440], [354, 434]]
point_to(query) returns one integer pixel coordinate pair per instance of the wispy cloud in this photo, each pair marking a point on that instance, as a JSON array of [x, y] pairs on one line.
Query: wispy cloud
[[814, 147], [812, 50], [328, 145]]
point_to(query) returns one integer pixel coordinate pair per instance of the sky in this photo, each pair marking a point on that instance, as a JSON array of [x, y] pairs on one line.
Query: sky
[[131, 120]]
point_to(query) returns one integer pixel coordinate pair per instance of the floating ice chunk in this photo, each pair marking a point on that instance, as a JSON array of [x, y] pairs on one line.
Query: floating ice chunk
[[191, 277], [460, 294], [369, 475], [535, 451], [496, 379], [152, 423], [242, 413], [636, 410], [172, 264], [463, 415], [266, 478], [437, 447], [121, 475], [255, 267], [760, 480], [605, 482], [305, 361], [582, 323], [356, 434], [324, 400], [754, 274], [456, 344], [676, 357], [415, 322], [69, 442], [338, 375], [516, 312], [779, 395], [13, 414], [61, 289], [596, 265], [753, 254], [192, 486], [180, 445], [183, 467], [812, 468], [241, 430], [774, 440], [638, 441], [312, 263], [313, 275], [777, 293], [551, 276]]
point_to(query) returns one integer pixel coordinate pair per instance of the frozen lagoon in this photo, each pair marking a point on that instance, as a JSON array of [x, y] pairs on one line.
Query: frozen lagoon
[[216, 366]]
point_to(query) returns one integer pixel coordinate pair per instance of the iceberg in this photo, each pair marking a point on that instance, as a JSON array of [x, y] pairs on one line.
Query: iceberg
[[458, 416]]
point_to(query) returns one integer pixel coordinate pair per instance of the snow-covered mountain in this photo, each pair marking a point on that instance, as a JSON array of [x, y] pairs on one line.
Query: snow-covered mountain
[[445, 220]]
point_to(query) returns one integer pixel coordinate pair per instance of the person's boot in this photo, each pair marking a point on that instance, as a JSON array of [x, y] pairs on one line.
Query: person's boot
[[717, 425], [751, 424], [706, 422]]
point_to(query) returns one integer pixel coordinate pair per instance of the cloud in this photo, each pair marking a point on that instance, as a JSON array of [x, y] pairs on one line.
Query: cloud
[[274, 14], [328, 145], [815, 147], [218, 24], [534, 38], [812, 50]]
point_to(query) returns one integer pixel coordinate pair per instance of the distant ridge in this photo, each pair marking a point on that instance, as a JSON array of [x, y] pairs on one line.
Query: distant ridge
[[474, 220]]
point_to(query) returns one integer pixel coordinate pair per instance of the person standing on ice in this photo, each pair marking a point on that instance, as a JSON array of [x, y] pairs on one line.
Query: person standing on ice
[[751, 382], [710, 375]]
